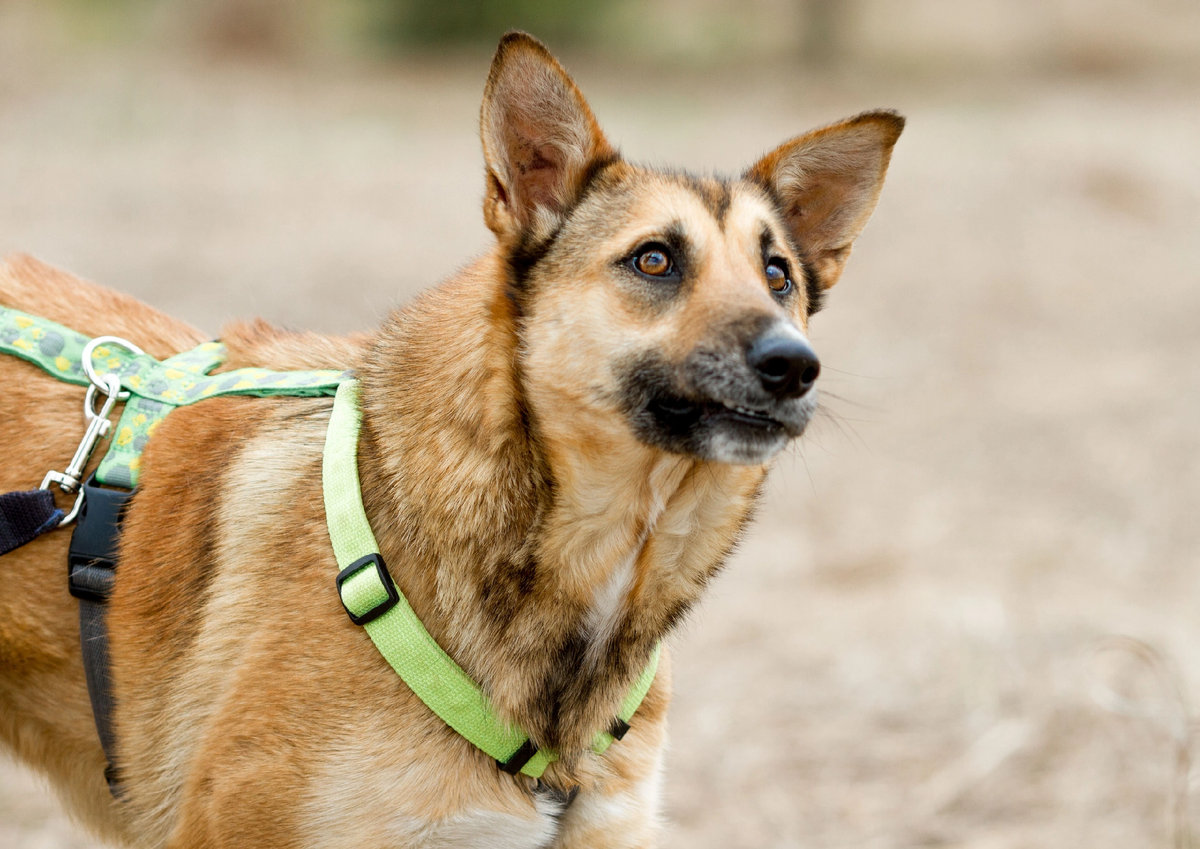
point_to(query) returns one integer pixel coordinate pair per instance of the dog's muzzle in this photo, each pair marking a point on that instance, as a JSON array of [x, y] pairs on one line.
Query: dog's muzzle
[[739, 403]]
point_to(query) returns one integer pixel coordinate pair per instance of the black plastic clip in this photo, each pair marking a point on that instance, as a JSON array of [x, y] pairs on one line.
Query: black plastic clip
[[385, 578], [619, 729], [92, 557]]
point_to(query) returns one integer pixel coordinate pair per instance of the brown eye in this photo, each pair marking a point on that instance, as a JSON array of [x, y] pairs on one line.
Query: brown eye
[[777, 277], [654, 262]]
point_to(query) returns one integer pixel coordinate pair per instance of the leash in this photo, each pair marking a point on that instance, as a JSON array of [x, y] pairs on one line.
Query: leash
[[25, 516], [120, 371]]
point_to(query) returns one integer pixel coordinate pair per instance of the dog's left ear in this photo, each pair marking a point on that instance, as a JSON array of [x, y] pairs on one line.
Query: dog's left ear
[[828, 182], [539, 138]]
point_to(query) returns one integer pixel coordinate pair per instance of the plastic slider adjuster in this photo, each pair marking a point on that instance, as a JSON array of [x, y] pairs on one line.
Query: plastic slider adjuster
[[619, 729], [519, 758], [92, 557], [385, 578]]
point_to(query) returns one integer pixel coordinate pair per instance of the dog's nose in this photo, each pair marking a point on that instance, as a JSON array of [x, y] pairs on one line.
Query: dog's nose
[[786, 365]]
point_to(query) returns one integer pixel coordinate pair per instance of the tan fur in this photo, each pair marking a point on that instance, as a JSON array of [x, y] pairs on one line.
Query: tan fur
[[544, 544]]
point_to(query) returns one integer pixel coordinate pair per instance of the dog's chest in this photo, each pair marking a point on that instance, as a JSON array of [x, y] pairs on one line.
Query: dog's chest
[[468, 829], [404, 817], [480, 829]]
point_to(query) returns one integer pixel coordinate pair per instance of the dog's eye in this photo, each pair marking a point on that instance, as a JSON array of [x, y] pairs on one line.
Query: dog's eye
[[777, 277], [654, 261]]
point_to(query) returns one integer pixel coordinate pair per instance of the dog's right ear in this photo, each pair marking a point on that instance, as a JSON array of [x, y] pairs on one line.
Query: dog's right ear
[[540, 138]]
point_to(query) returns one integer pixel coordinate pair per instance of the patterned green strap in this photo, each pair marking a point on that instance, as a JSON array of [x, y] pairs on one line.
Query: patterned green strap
[[156, 387], [416, 657], [122, 464], [179, 381], [51, 346]]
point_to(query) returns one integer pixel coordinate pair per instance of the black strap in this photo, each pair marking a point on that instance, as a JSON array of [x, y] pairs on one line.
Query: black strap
[[519, 758], [91, 574], [24, 516]]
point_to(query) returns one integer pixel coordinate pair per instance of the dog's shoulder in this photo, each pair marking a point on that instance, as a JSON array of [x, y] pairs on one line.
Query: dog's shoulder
[[261, 344]]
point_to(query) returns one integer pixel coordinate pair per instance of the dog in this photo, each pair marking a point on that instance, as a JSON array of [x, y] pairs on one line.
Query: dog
[[560, 447]]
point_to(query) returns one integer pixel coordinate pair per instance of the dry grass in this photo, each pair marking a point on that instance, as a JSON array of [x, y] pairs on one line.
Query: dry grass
[[902, 652]]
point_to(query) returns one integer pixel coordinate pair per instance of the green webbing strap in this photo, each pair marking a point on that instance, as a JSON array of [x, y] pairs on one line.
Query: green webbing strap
[[156, 388], [416, 657]]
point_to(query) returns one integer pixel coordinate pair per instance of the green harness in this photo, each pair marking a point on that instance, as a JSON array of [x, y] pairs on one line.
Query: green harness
[[157, 387], [364, 585]]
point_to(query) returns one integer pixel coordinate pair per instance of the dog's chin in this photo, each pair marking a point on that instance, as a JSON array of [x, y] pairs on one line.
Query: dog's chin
[[722, 432], [738, 448]]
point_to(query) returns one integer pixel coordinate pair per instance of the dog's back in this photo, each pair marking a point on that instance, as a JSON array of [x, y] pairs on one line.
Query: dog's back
[[45, 712]]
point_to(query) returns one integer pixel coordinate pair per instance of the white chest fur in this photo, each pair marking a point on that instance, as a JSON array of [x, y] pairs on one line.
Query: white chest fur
[[483, 830]]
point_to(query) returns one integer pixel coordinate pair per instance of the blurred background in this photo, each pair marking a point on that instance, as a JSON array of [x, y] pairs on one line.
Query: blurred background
[[969, 612]]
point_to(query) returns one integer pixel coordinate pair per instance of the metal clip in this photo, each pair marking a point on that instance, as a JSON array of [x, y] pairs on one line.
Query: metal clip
[[98, 425]]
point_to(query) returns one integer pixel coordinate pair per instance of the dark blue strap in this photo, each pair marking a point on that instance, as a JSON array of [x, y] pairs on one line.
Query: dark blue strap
[[91, 576], [24, 516]]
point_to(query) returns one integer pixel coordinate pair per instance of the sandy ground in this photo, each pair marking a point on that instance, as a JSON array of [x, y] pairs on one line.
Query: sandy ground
[[902, 652]]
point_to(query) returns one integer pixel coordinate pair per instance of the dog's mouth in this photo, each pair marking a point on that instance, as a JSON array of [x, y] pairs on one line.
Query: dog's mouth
[[680, 416], [725, 431]]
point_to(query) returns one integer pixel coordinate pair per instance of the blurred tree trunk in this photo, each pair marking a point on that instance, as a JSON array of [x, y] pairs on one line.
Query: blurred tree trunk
[[265, 28], [824, 40]]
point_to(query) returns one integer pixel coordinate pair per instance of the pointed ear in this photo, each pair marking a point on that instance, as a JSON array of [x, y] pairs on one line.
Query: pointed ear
[[539, 138], [827, 183]]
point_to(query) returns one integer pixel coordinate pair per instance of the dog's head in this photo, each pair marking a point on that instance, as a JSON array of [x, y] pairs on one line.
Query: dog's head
[[657, 305]]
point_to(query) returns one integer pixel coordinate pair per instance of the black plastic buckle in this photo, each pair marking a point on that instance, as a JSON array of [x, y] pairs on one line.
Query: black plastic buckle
[[92, 557], [389, 586], [619, 729], [519, 758]]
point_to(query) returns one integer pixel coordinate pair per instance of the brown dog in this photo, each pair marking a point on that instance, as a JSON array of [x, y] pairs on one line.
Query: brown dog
[[560, 446]]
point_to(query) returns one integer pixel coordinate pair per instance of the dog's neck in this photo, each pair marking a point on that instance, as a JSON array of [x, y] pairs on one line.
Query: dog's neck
[[547, 567]]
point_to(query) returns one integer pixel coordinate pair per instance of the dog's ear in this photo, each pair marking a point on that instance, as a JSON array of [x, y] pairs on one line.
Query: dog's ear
[[827, 183], [539, 138]]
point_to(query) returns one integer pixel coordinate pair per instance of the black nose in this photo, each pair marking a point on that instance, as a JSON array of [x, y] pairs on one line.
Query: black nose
[[786, 365]]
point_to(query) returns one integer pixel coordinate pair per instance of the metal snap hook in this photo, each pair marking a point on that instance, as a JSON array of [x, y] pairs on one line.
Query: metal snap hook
[[98, 427], [110, 385]]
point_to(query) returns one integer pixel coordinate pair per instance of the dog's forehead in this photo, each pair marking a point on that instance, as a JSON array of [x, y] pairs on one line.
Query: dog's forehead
[[701, 209]]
